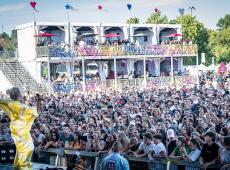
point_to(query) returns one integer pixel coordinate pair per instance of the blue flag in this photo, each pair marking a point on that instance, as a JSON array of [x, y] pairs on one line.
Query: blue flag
[[70, 7]]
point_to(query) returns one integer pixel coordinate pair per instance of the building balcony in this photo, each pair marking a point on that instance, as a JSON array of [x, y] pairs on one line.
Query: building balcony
[[120, 51]]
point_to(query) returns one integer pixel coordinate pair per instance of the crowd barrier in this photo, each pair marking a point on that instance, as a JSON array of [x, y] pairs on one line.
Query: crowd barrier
[[122, 84], [93, 160]]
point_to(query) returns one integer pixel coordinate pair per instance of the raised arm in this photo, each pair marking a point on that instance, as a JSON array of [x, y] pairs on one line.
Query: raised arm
[[4, 104]]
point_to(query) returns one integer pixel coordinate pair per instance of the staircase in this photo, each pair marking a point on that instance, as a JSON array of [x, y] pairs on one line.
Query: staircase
[[20, 77]]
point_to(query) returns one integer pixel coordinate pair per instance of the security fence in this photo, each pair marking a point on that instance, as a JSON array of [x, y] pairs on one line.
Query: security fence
[[123, 84], [92, 161]]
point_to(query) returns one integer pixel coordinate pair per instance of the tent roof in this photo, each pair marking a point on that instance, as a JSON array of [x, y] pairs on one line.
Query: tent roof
[[202, 67]]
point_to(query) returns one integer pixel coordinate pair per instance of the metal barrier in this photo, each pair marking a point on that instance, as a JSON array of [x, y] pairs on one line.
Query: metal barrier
[[122, 84], [95, 160]]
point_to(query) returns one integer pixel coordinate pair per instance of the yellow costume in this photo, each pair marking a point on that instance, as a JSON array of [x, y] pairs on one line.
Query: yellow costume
[[22, 118]]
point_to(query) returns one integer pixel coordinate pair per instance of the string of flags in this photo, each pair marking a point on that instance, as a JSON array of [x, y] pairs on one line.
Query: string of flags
[[33, 4]]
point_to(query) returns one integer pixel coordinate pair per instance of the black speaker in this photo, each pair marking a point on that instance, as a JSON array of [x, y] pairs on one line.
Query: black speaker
[[7, 153]]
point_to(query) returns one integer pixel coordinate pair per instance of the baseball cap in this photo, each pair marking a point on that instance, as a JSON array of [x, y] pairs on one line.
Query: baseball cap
[[170, 133]]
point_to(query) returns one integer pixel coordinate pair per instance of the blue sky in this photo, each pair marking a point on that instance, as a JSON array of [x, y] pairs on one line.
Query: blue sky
[[14, 12]]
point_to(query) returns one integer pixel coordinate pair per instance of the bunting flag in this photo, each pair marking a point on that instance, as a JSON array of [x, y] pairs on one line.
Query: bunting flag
[[71, 8], [33, 5], [129, 6], [99, 7], [156, 10]]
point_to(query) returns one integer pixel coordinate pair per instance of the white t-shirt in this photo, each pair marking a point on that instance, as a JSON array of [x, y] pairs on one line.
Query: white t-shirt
[[146, 148], [194, 155], [159, 148]]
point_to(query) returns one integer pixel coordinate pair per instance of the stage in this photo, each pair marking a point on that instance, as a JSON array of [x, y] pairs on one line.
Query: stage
[[35, 166]]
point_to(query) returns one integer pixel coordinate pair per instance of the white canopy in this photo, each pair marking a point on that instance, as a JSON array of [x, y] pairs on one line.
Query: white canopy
[[211, 67], [202, 67]]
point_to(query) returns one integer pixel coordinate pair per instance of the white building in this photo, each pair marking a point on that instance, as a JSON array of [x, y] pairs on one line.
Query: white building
[[64, 47]]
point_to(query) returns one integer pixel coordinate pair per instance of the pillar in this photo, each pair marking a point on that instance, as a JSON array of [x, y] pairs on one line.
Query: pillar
[[157, 66]]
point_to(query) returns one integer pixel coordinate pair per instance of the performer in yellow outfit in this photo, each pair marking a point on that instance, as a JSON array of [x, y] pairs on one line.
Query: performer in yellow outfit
[[21, 119]]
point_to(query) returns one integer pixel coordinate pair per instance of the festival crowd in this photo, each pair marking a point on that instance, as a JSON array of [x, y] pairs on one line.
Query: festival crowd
[[191, 123]]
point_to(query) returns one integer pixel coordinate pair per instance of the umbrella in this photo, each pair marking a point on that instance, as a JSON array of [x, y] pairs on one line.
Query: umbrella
[[45, 35], [174, 35], [111, 35]]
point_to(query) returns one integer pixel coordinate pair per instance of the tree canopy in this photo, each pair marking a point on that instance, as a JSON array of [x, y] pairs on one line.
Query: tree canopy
[[224, 23], [133, 20], [157, 18], [194, 30], [219, 43], [8, 43]]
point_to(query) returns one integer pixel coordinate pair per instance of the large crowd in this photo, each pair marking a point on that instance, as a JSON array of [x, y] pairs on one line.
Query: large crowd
[[191, 123]]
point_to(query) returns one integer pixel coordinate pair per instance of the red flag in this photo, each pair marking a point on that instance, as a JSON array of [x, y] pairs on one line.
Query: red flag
[[33, 5], [99, 7]]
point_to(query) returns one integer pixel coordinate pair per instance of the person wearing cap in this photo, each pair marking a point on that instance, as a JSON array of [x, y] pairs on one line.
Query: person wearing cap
[[115, 161], [209, 152], [171, 143]]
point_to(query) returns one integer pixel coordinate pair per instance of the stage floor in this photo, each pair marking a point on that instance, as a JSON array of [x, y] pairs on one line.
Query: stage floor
[[35, 166]]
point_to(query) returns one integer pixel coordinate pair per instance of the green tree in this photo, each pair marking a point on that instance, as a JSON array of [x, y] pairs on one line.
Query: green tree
[[224, 23], [133, 20], [219, 43], [4, 35], [157, 18], [8, 43], [194, 30]]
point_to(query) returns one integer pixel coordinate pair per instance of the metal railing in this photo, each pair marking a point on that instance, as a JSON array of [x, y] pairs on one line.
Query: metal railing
[[19, 76], [122, 84], [119, 50], [10, 74], [94, 161]]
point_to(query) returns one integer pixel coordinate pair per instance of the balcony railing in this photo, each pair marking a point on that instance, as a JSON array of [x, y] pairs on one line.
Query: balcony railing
[[8, 54], [54, 51], [120, 50]]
